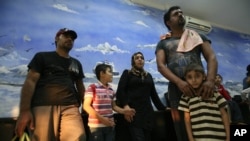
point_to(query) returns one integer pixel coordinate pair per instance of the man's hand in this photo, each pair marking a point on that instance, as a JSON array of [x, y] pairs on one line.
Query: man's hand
[[207, 89], [186, 89], [25, 119]]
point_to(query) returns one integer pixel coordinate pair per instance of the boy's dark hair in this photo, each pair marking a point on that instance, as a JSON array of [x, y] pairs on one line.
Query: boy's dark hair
[[101, 68], [194, 67], [166, 16], [132, 58]]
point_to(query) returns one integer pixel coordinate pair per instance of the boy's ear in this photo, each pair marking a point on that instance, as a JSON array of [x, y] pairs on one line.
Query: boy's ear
[[102, 73]]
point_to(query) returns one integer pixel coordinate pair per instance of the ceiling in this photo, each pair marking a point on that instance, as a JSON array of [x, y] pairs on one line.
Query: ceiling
[[228, 14]]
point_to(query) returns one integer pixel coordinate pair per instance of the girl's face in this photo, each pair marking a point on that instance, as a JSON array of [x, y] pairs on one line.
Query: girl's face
[[139, 61], [195, 78]]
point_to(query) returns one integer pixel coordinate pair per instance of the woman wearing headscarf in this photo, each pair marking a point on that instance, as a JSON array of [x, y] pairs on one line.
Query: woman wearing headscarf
[[135, 90]]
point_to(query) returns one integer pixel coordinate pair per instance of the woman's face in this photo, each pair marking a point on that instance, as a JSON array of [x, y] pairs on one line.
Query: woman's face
[[139, 61]]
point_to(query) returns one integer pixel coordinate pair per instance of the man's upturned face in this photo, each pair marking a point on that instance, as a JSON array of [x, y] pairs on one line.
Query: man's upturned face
[[65, 41], [177, 18]]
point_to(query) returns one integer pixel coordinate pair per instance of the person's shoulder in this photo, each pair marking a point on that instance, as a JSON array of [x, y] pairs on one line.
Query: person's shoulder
[[217, 95], [126, 71], [204, 38], [45, 53], [161, 44], [148, 73], [75, 59], [166, 40]]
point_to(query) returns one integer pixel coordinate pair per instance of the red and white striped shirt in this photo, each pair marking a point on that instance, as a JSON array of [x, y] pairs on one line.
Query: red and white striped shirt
[[102, 102]]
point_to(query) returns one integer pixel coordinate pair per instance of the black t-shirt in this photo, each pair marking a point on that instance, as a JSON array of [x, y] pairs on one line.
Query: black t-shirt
[[57, 76]]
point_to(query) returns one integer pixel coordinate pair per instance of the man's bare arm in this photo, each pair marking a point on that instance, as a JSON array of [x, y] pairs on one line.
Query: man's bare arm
[[168, 74]]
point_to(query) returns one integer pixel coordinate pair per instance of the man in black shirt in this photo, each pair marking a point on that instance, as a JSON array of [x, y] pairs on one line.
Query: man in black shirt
[[52, 93]]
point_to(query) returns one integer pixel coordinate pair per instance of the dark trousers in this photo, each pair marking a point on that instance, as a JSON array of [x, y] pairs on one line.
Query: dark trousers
[[236, 115], [121, 129], [140, 134]]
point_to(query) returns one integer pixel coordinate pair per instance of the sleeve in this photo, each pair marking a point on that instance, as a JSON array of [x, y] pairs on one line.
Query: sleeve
[[224, 93], [37, 63], [221, 101], [160, 45], [89, 91], [76, 70], [81, 73], [155, 97], [121, 93], [183, 105], [204, 38]]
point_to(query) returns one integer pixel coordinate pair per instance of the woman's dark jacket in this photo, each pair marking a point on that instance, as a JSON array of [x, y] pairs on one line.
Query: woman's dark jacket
[[137, 92]]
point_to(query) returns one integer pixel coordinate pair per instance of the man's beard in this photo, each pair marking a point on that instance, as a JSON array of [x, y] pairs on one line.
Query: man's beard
[[67, 48], [182, 21]]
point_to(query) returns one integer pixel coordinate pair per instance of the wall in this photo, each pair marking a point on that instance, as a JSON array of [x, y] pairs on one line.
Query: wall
[[108, 30]]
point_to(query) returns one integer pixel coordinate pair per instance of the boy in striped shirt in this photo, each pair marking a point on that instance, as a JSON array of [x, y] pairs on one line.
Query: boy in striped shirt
[[205, 119], [99, 103]]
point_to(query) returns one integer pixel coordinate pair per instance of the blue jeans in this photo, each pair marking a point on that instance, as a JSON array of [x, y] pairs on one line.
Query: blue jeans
[[101, 134]]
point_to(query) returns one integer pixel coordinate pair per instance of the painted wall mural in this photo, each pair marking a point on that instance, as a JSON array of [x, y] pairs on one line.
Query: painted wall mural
[[108, 30]]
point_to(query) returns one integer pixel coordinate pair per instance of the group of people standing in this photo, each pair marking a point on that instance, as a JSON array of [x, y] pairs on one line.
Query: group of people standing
[[54, 90]]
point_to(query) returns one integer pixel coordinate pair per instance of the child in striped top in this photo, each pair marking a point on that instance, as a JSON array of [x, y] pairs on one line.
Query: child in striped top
[[205, 119], [99, 103]]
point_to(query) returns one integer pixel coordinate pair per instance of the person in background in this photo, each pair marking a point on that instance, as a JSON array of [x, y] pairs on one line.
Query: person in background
[[174, 52], [52, 93], [246, 94], [234, 109], [200, 123], [246, 80], [246, 86], [135, 90], [99, 103]]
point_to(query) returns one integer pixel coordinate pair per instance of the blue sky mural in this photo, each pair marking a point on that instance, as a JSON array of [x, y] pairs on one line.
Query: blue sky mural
[[108, 30]]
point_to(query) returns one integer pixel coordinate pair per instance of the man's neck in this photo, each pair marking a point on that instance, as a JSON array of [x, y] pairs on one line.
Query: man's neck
[[177, 32], [62, 53]]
